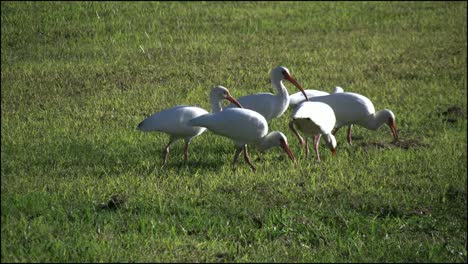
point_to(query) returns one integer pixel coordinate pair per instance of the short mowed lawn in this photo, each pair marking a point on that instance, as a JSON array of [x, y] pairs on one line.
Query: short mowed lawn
[[79, 183]]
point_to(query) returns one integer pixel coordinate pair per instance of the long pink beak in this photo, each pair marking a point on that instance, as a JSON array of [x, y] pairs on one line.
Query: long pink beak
[[292, 80], [286, 149], [394, 130], [233, 100]]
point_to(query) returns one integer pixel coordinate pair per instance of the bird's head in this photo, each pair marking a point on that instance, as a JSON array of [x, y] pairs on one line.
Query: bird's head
[[219, 93], [274, 139], [390, 117], [330, 140], [282, 73]]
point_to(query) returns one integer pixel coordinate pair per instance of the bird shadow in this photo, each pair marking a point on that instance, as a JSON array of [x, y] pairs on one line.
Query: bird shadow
[[406, 144], [197, 164]]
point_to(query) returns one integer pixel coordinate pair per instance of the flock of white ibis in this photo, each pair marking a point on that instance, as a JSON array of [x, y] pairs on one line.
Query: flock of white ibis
[[245, 121]]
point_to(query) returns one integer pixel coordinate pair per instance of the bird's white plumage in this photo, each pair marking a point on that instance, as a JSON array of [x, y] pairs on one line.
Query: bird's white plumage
[[297, 98], [314, 118], [349, 108], [243, 126], [353, 108], [174, 121], [267, 104]]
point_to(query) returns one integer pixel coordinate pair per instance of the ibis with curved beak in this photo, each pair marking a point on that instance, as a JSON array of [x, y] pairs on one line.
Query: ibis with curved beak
[[271, 105], [174, 120], [353, 108], [244, 127], [314, 119]]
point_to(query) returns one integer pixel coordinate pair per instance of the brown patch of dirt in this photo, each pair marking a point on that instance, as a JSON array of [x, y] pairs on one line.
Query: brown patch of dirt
[[401, 143], [409, 144]]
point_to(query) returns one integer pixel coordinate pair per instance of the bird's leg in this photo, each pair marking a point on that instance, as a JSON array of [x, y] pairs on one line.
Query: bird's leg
[[307, 147], [247, 159], [166, 151], [316, 144], [291, 126], [349, 133], [236, 156], [186, 151]]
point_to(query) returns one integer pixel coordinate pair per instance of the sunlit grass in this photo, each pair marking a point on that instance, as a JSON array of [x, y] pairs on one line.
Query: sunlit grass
[[78, 77]]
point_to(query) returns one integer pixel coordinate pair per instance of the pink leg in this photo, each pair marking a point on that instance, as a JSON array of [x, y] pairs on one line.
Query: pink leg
[[247, 159], [186, 151], [166, 151], [291, 126], [236, 156], [349, 133], [316, 143], [307, 147]]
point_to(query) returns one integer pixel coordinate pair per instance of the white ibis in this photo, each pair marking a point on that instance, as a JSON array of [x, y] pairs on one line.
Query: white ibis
[[353, 108], [174, 121], [244, 127], [267, 104], [297, 98], [314, 119]]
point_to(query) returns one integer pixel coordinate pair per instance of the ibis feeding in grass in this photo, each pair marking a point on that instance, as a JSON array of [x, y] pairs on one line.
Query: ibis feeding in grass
[[353, 108], [244, 127], [174, 120], [314, 119]]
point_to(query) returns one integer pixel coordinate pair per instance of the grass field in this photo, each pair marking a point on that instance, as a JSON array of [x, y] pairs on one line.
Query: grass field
[[77, 77]]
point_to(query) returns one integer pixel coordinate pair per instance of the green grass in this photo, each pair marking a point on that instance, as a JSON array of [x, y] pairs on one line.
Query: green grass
[[78, 77]]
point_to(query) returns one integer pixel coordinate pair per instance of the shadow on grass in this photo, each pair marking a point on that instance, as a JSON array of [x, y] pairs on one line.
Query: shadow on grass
[[70, 157], [452, 114], [184, 165]]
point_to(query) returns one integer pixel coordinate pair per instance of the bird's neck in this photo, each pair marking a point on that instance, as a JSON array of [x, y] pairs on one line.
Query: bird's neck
[[216, 106], [376, 120], [266, 142], [330, 140], [280, 88], [282, 96]]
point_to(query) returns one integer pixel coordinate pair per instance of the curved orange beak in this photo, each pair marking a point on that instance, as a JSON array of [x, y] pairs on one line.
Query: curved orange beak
[[293, 81], [233, 100], [333, 152], [286, 149], [392, 126]]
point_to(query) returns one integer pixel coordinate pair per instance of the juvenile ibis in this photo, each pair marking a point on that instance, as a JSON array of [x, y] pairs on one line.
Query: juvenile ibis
[[271, 105], [244, 127], [174, 120], [353, 108], [314, 119]]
